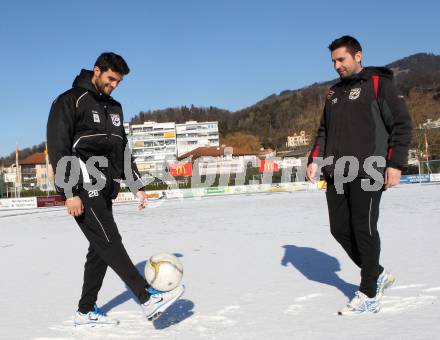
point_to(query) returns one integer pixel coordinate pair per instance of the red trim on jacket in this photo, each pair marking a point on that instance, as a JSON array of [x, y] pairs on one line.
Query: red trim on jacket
[[390, 152], [315, 151], [376, 85]]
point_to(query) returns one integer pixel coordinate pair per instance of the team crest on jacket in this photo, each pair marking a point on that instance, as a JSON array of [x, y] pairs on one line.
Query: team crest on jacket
[[115, 119], [354, 93], [96, 118]]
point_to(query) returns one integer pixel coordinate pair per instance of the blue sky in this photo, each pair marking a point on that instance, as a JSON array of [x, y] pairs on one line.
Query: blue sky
[[228, 53]]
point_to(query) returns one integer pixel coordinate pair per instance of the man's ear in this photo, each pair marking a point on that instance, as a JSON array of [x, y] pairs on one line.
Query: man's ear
[[96, 71], [358, 57]]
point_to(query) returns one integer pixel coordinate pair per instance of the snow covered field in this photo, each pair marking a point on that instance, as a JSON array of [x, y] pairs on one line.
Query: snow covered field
[[257, 267]]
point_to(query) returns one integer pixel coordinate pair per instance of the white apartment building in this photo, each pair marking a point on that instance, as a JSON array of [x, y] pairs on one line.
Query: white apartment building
[[153, 144], [192, 135], [156, 144], [127, 130]]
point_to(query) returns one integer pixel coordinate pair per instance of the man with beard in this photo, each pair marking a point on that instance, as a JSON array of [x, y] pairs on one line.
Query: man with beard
[[86, 123], [364, 118]]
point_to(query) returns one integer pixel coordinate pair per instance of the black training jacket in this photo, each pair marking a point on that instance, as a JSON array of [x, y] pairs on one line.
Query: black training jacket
[[85, 123], [362, 120]]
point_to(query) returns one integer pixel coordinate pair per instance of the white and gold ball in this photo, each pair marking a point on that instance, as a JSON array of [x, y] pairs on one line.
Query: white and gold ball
[[164, 272]]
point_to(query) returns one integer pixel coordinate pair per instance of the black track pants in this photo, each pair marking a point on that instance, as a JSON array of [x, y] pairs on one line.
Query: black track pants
[[106, 249], [353, 223]]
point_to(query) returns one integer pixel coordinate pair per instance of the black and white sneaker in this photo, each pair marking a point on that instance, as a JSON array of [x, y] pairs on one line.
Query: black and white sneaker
[[385, 280], [361, 304], [94, 318], [160, 301]]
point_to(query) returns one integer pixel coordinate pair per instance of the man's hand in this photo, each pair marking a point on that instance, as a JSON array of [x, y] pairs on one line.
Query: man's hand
[[142, 198], [392, 177], [311, 172], [74, 206]]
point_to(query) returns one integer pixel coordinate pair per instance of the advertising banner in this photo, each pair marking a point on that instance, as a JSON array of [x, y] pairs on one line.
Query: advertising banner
[[181, 170], [407, 179], [233, 166], [18, 203], [49, 201], [267, 166], [216, 190], [435, 177]]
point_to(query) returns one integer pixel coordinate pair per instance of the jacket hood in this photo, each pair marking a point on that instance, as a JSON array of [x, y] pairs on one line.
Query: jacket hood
[[365, 74], [84, 80], [368, 72]]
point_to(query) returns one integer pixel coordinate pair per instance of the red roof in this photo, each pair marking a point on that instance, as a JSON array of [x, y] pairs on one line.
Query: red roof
[[35, 158], [215, 151]]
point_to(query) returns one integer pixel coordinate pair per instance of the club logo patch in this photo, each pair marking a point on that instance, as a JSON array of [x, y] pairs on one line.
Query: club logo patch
[[96, 118], [334, 101], [354, 93], [115, 119]]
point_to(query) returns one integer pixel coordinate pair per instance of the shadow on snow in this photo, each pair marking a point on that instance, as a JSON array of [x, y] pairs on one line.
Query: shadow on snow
[[317, 266]]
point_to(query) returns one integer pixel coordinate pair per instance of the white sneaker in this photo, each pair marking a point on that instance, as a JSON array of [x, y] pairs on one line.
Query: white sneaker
[[384, 281], [94, 318], [160, 301], [361, 304]]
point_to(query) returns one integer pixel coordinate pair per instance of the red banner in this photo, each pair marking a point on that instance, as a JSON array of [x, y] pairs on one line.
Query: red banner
[[49, 201], [267, 166], [181, 170]]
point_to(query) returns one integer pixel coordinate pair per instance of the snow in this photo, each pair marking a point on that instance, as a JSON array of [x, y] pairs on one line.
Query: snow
[[260, 266]]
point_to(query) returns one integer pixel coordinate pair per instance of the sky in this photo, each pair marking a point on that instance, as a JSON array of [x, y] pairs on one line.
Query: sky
[[229, 54]]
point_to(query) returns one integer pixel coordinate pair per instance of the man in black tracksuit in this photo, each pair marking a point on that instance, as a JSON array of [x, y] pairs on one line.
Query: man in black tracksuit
[[363, 117], [86, 124]]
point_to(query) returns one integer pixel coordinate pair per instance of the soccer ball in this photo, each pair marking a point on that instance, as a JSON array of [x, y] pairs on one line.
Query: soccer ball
[[163, 272]]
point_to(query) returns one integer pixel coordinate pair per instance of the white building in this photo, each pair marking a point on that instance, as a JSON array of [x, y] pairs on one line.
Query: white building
[[153, 144], [127, 129], [192, 135], [430, 124], [297, 140], [220, 160]]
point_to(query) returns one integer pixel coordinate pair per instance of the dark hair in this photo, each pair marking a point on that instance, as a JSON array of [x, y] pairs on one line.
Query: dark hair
[[350, 43], [113, 61]]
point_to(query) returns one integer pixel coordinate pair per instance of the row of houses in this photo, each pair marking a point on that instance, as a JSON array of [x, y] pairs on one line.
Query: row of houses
[[34, 172], [163, 147]]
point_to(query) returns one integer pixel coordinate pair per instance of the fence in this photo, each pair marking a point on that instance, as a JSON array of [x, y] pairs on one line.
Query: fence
[[421, 172], [425, 172]]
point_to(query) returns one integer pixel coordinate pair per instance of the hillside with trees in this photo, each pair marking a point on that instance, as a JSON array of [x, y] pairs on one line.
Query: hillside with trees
[[10, 159], [271, 120]]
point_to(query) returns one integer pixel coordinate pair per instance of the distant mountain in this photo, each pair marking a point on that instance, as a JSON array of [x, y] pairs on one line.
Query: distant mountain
[[416, 63], [420, 71], [10, 159], [183, 114], [275, 117]]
